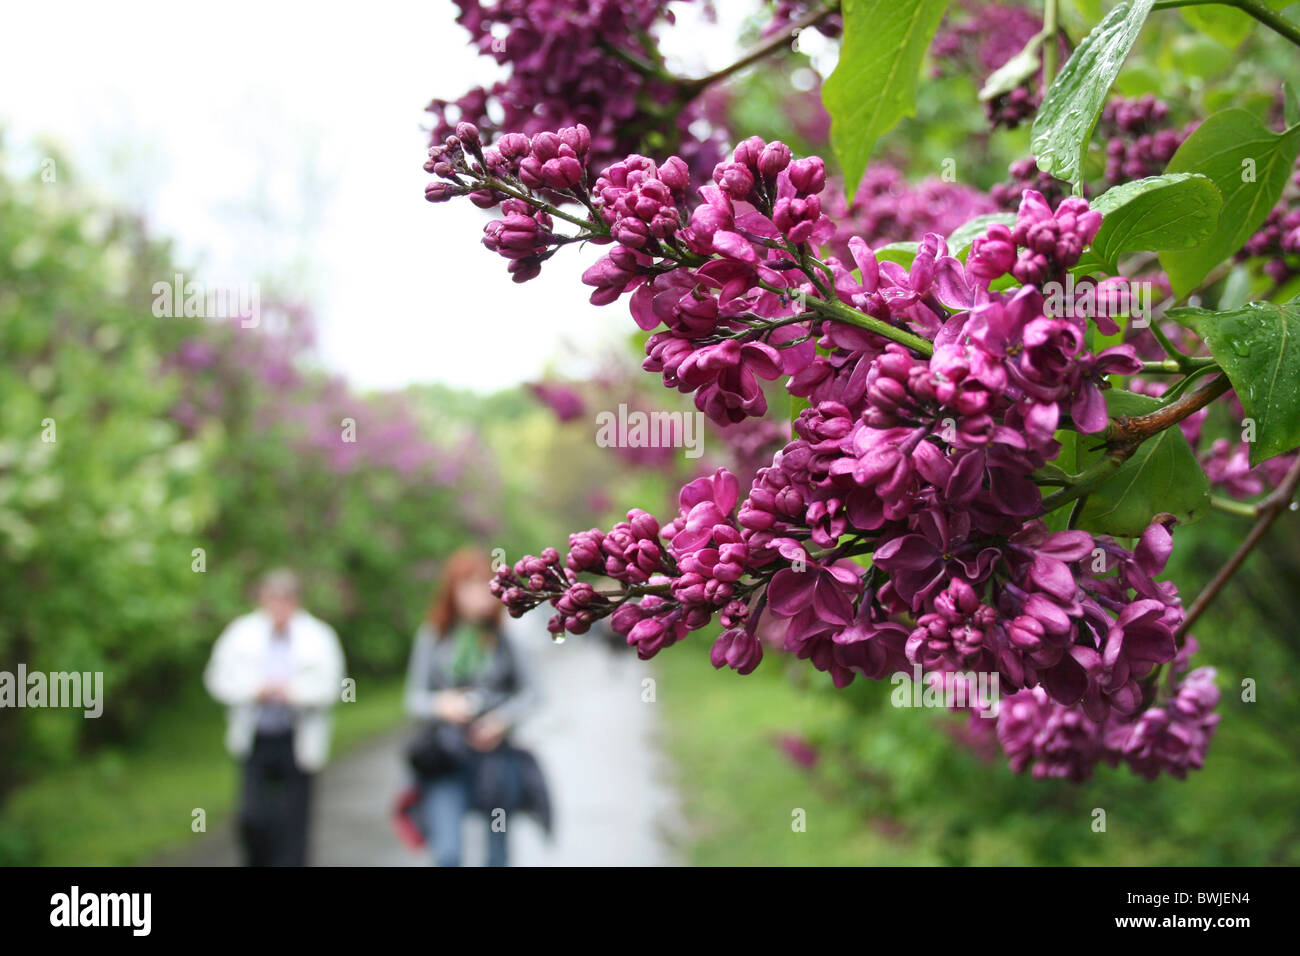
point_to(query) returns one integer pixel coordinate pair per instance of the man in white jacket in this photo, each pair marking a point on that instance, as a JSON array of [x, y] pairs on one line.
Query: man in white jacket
[[279, 671]]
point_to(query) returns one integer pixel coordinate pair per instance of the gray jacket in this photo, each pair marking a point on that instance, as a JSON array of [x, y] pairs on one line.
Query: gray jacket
[[502, 687]]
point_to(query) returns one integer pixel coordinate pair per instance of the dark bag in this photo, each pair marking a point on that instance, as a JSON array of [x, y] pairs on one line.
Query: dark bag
[[438, 749], [510, 778]]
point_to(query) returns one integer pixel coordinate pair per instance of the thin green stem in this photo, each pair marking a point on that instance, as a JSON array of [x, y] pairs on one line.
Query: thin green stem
[[840, 312], [1268, 510], [1254, 8], [1088, 480], [1231, 506], [594, 225], [1174, 353], [1125, 434], [1050, 27]]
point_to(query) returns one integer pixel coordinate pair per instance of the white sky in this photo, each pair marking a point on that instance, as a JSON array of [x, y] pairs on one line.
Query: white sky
[[278, 139]]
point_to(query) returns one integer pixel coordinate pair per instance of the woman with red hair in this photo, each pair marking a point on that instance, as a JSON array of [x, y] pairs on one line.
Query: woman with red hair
[[466, 685]]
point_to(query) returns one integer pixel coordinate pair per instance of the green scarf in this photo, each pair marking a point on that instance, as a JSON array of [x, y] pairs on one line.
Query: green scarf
[[469, 657]]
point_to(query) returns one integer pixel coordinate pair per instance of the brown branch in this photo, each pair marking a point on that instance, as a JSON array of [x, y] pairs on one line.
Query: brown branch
[[692, 88], [1125, 433], [1268, 510], [1125, 429]]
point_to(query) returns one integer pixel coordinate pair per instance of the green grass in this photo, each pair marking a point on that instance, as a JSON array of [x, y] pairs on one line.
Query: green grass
[[892, 786], [126, 805], [741, 792]]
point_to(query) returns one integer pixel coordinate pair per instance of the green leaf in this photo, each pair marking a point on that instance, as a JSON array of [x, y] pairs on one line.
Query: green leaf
[[1258, 346], [1059, 519], [1251, 165], [1199, 56], [797, 404], [901, 252], [1173, 211], [874, 83], [1162, 477], [1236, 289], [1224, 24], [1071, 107], [968, 232], [1220, 23], [1015, 71]]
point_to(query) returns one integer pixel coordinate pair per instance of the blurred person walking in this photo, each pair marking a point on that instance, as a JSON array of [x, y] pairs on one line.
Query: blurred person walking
[[279, 671], [469, 689]]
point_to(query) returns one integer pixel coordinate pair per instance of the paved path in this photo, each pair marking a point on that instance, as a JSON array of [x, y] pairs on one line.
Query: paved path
[[594, 737]]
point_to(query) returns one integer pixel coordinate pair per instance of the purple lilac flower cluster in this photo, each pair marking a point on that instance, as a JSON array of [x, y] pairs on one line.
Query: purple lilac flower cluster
[[571, 62], [1139, 142], [789, 12], [979, 38], [933, 399], [1025, 174], [561, 398], [1053, 741], [887, 208], [976, 38], [1278, 239]]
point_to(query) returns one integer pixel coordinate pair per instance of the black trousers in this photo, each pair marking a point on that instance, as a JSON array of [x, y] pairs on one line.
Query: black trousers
[[274, 804]]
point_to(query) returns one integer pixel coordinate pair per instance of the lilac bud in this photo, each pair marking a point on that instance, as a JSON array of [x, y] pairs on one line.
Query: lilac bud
[[513, 145], [675, 174], [440, 192], [643, 524], [521, 270], [808, 176], [734, 179], [468, 134], [774, 158], [563, 172], [530, 172], [577, 138], [546, 146], [993, 254], [747, 153]]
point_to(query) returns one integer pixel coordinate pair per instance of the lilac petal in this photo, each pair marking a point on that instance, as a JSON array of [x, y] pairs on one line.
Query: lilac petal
[[1066, 682], [911, 552], [1052, 617], [950, 284], [1052, 576], [1154, 549], [868, 266], [735, 245], [790, 591], [830, 604], [1089, 409], [1067, 545]]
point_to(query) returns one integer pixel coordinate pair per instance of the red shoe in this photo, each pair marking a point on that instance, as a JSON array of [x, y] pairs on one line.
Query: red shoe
[[404, 821]]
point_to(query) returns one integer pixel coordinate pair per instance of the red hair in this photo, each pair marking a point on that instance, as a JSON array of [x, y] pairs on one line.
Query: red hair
[[465, 564]]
